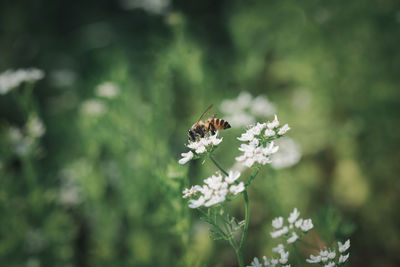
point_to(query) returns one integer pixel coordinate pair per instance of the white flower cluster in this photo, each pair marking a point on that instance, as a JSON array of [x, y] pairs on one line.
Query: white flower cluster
[[11, 79], [295, 223], [259, 149], [289, 154], [24, 140], [274, 262], [152, 6], [200, 146], [107, 90], [93, 107], [243, 110], [215, 190], [328, 257]]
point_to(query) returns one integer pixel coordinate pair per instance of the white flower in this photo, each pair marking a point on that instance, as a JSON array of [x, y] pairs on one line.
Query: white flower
[[330, 264], [298, 223], [194, 204], [331, 255], [214, 182], [255, 263], [283, 129], [284, 256], [344, 247], [107, 90], [278, 248], [93, 107], [260, 106], [189, 192], [314, 259], [215, 189], [293, 238], [156, 7], [232, 177], [293, 216], [343, 258], [252, 132], [288, 155], [277, 222], [306, 225], [240, 119], [35, 127], [11, 79], [236, 189], [274, 124], [200, 146], [280, 232], [186, 157], [269, 132]]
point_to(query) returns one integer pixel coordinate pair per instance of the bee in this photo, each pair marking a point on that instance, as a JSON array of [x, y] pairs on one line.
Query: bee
[[200, 128]]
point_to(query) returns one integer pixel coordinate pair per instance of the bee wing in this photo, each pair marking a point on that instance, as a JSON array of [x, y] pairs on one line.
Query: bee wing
[[205, 112]]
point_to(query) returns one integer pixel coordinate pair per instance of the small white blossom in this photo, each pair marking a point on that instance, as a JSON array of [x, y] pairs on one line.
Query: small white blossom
[[278, 248], [284, 256], [277, 222], [293, 216], [298, 223], [330, 264], [157, 7], [93, 107], [107, 90], [274, 124], [280, 232], [194, 204], [255, 263], [343, 258], [269, 132], [283, 129], [293, 238], [331, 254], [189, 192], [35, 127], [261, 106], [307, 225], [314, 259], [236, 189], [186, 157], [232, 177], [344, 247]]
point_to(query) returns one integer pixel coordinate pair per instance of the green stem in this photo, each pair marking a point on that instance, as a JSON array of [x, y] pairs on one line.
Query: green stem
[[296, 253], [218, 166], [238, 250]]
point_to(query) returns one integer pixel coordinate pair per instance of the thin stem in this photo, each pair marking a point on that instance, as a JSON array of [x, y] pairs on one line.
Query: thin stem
[[296, 253], [218, 166]]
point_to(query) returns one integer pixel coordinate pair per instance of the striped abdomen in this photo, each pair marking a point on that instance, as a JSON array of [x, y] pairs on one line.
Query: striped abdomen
[[216, 124]]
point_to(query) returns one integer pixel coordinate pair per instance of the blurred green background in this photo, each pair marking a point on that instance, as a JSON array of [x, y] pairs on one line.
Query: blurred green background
[[99, 184]]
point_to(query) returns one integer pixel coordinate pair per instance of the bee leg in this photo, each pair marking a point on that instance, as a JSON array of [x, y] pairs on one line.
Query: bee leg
[[191, 135], [212, 128]]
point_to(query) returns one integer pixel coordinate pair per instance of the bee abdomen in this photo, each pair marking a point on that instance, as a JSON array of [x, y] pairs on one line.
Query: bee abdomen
[[221, 124]]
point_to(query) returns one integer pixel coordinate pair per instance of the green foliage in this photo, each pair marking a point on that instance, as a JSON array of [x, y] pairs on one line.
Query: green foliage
[[104, 188]]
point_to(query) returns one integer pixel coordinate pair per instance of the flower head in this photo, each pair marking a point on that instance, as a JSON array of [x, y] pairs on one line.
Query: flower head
[[215, 190], [260, 146], [11, 79], [328, 257], [295, 223]]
